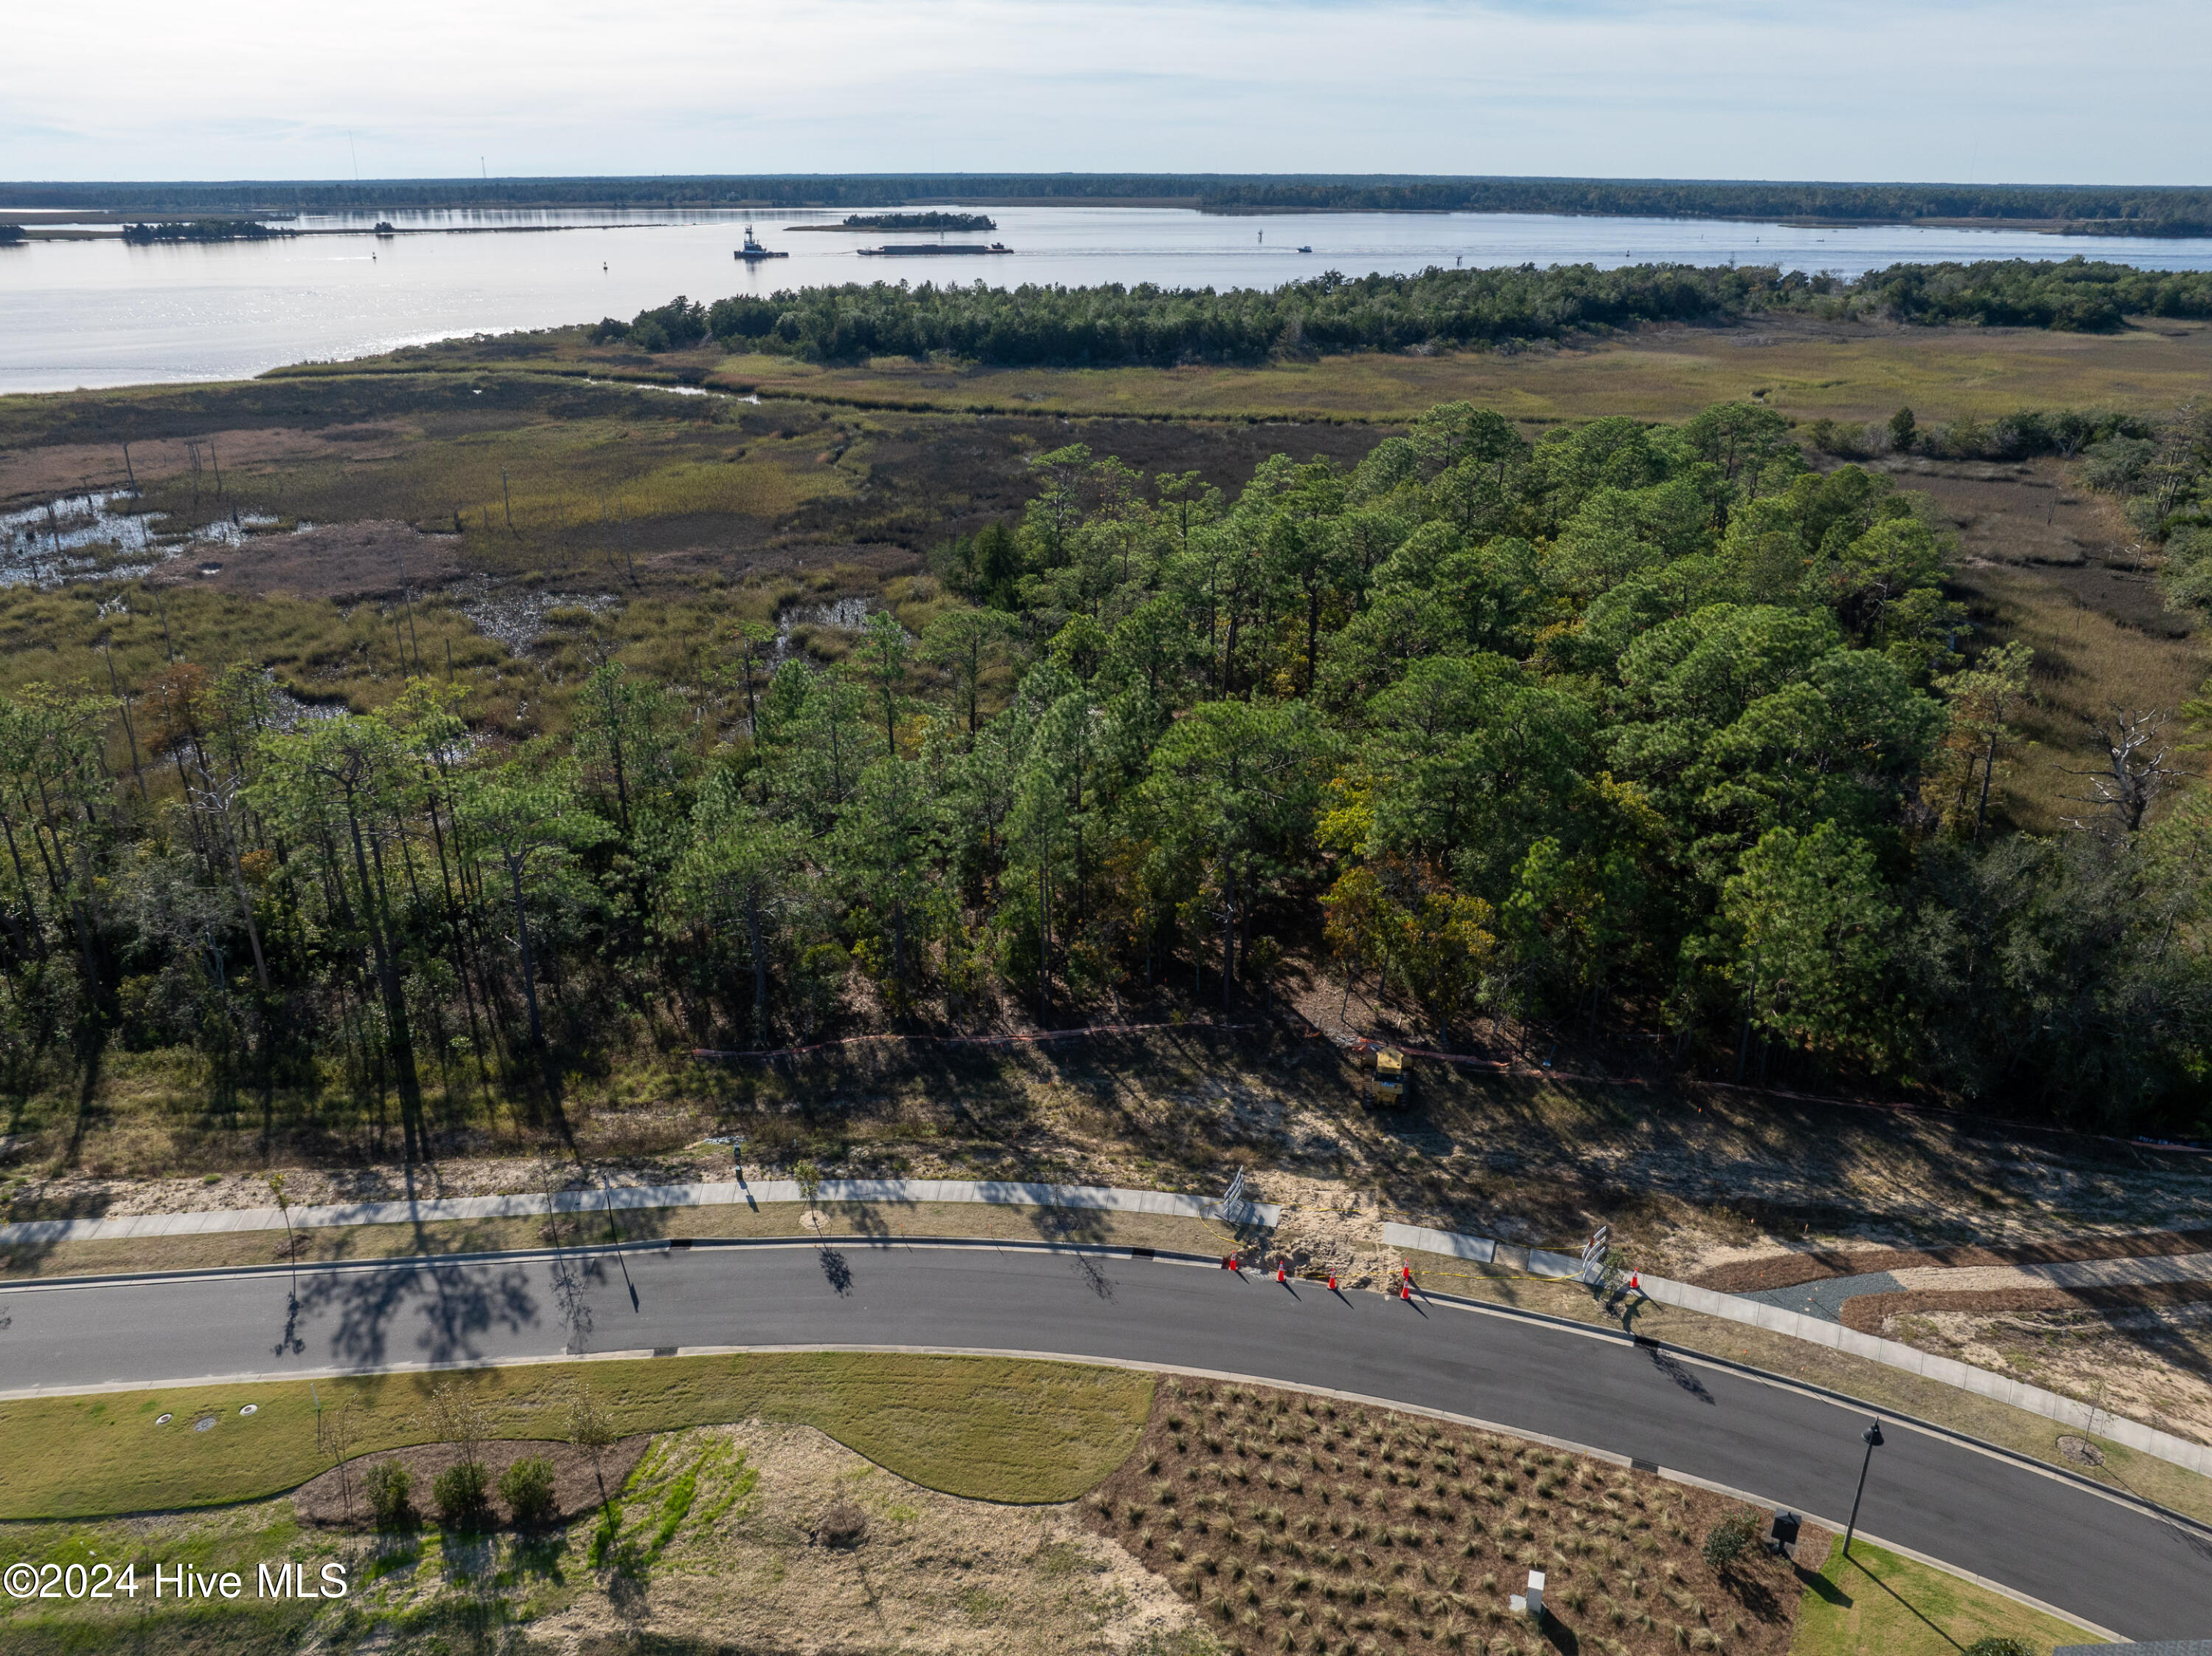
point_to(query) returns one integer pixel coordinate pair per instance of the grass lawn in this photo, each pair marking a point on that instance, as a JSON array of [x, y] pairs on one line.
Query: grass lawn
[[1880, 1605], [986, 1429]]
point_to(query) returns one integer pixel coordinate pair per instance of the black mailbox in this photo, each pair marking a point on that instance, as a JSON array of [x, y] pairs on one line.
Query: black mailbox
[[1784, 1535]]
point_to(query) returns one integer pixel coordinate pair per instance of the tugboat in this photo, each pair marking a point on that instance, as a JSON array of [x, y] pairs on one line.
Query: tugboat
[[752, 251]]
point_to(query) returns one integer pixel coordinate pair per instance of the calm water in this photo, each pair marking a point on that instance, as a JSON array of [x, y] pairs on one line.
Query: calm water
[[97, 313]]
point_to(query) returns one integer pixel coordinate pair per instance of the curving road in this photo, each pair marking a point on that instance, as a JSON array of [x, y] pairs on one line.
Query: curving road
[[2110, 1563]]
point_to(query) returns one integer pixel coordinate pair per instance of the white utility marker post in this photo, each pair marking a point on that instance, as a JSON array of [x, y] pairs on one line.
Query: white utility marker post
[[1531, 1606]]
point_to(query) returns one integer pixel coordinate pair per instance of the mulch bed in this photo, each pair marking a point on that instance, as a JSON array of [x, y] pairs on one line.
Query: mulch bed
[[1865, 1312], [1293, 1523], [321, 1501], [1818, 1265]]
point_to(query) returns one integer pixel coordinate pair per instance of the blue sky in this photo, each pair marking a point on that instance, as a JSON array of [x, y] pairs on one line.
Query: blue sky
[[2025, 91]]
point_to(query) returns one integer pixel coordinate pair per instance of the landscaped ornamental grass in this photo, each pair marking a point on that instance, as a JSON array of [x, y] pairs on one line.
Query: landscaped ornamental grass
[[1295, 1523]]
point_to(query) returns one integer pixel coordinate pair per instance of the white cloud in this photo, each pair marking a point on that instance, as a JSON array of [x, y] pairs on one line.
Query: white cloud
[[2021, 91]]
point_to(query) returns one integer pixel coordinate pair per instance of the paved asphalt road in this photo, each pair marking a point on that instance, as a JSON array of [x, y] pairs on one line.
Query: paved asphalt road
[[2116, 1566]]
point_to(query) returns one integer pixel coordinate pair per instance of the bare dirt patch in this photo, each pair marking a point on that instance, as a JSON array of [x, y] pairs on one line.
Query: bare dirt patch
[[2138, 1354], [1818, 1264], [1871, 1312], [343, 562], [927, 1573], [1295, 1522]]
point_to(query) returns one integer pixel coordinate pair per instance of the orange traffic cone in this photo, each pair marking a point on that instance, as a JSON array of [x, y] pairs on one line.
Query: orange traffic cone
[[1278, 1273], [1635, 1284], [1406, 1288], [1332, 1281]]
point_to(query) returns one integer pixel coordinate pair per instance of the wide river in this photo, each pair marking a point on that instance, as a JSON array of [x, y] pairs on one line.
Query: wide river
[[96, 312]]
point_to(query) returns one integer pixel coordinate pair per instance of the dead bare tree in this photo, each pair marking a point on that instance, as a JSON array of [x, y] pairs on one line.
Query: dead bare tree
[[338, 1435], [2136, 772]]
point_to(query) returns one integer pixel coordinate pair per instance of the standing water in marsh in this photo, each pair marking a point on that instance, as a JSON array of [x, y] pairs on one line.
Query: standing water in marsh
[[102, 533]]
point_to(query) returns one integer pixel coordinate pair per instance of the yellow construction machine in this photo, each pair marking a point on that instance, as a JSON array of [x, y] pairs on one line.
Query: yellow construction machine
[[1388, 1086]]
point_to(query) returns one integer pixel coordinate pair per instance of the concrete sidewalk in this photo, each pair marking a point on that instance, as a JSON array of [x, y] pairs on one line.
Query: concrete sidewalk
[[1759, 1312], [624, 1198]]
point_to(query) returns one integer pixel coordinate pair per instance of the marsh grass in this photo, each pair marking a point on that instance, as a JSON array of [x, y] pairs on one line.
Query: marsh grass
[[1856, 372], [2087, 663]]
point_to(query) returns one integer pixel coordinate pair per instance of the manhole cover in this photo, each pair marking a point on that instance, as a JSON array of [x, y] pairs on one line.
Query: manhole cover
[[163, 1420], [250, 1409], [206, 1425], [2081, 1451]]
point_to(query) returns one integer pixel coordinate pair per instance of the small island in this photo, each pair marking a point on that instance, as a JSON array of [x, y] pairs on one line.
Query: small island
[[894, 221], [920, 222], [202, 230]]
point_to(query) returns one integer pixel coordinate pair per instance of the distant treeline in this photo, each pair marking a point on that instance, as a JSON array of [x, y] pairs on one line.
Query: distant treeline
[[2079, 210], [1437, 309], [204, 230], [2084, 209]]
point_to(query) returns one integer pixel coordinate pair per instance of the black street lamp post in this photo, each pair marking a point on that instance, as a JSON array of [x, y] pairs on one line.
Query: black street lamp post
[[1872, 1438]]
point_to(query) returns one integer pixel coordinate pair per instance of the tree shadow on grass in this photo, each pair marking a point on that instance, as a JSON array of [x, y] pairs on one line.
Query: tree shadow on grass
[[1060, 1224], [865, 1218]]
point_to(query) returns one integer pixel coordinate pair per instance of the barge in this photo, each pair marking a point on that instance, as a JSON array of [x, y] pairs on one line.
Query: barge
[[934, 249]]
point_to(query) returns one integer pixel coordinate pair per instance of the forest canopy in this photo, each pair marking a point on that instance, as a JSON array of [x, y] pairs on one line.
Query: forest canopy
[[1653, 735], [1111, 325]]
